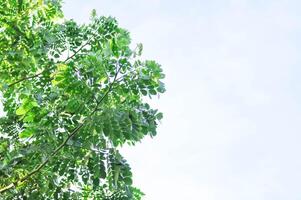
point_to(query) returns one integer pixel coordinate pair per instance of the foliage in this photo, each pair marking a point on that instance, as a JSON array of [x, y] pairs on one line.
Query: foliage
[[72, 95]]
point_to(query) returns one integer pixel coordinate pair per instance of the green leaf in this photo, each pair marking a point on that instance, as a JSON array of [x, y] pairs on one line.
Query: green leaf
[[26, 133], [62, 67], [153, 92], [144, 92], [159, 116], [21, 111], [29, 117]]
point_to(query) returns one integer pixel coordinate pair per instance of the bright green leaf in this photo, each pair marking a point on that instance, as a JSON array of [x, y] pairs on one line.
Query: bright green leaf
[[26, 133]]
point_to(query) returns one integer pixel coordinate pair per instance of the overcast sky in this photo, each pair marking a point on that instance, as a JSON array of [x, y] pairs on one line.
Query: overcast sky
[[231, 129]]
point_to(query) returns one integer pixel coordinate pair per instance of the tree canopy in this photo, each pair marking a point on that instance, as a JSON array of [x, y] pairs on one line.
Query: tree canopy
[[73, 95]]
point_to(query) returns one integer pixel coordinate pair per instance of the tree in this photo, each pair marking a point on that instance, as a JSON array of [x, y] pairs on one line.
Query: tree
[[72, 95]]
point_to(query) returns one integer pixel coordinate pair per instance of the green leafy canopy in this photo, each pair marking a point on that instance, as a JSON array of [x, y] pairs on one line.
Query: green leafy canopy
[[73, 95]]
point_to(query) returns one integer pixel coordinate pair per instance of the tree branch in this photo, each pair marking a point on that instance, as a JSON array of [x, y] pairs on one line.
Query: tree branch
[[76, 130]]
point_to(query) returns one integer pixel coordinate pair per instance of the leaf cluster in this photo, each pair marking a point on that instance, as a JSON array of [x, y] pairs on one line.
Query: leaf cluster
[[73, 95]]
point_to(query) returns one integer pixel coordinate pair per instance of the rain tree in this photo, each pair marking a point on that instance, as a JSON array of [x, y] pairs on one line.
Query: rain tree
[[73, 95]]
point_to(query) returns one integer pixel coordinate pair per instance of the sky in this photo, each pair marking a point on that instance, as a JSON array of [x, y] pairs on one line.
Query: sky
[[231, 127]]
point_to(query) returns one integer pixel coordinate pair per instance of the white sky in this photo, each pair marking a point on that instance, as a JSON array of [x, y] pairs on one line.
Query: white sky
[[231, 129]]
